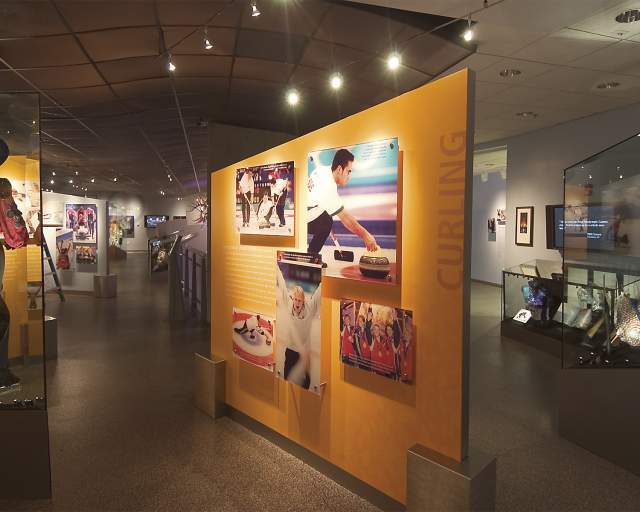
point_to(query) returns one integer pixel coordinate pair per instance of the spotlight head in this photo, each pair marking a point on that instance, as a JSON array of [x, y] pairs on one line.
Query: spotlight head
[[115, 179], [93, 180], [254, 9], [394, 61], [170, 65], [293, 98], [52, 182], [207, 44], [468, 35], [71, 181], [336, 81]]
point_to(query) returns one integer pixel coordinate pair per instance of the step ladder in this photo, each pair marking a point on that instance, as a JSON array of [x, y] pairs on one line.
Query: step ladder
[[53, 272]]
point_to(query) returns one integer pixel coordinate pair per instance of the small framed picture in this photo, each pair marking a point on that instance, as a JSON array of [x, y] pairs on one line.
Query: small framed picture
[[524, 226]]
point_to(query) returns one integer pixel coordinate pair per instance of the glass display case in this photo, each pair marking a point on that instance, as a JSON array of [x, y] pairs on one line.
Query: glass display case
[[600, 243], [22, 354]]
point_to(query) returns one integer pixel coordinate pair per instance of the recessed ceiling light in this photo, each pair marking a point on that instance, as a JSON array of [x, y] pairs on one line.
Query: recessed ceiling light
[[394, 61], [336, 81], [510, 73], [608, 85], [628, 16], [527, 114], [293, 98]]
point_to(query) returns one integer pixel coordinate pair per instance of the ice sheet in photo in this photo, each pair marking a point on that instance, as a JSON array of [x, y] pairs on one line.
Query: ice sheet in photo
[[298, 299], [370, 196], [253, 338], [265, 200]]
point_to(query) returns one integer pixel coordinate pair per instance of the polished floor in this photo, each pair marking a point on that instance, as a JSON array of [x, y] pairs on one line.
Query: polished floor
[[124, 435]]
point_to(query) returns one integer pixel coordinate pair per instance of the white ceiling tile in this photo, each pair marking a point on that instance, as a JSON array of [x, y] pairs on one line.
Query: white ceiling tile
[[604, 22], [487, 90], [529, 70], [617, 57], [564, 46], [504, 40]]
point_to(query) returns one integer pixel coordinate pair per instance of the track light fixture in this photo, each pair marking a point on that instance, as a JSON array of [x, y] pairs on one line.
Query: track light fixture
[[394, 61], [254, 9], [71, 181], [468, 34], [336, 81], [115, 179], [93, 180], [207, 43], [170, 65], [293, 98]]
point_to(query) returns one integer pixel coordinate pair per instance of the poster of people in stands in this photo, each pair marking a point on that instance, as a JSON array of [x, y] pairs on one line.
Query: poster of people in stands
[[253, 338], [298, 292], [352, 210], [378, 339], [265, 202], [83, 220]]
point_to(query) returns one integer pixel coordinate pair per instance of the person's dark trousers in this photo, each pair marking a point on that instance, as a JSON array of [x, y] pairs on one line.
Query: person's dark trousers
[[4, 337], [291, 357], [92, 227], [320, 229], [280, 212], [246, 207]]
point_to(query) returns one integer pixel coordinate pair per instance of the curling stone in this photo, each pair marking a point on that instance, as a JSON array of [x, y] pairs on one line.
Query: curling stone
[[374, 266]]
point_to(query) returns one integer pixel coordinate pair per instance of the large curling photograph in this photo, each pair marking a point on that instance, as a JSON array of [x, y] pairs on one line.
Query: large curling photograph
[[298, 298], [352, 211], [265, 200], [253, 338], [378, 339], [83, 220]]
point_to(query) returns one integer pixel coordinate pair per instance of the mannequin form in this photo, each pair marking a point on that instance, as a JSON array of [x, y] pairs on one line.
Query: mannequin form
[[15, 235]]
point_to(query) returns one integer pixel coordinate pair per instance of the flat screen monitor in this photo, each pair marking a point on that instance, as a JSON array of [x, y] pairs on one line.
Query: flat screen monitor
[[581, 227], [152, 221]]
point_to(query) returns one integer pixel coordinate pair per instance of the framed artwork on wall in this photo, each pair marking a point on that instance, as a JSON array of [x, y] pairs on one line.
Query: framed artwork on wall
[[524, 226]]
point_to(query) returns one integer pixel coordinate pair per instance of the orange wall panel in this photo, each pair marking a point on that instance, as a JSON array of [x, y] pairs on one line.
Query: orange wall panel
[[362, 422]]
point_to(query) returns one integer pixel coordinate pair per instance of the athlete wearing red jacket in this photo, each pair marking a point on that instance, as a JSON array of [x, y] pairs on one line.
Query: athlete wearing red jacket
[[347, 352]]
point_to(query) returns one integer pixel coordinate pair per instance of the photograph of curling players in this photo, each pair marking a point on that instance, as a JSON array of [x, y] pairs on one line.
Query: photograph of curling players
[[352, 207], [265, 197]]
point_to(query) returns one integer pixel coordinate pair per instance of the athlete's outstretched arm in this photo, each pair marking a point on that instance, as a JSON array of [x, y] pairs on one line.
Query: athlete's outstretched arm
[[351, 223]]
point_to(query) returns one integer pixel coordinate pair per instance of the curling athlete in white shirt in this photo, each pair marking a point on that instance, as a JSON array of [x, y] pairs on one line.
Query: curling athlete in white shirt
[[297, 316], [325, 203], [246, 188]]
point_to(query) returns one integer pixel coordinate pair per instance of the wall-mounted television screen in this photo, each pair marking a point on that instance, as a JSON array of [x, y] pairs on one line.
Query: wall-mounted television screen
[[152, 221], [581, 227]]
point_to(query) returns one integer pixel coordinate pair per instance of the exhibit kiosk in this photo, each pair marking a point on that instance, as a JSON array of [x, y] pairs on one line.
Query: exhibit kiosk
[[340, 299], [24, 471]]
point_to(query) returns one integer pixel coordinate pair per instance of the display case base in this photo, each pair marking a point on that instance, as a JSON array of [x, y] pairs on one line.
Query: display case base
[[597, 412], [105, 286], [209, 385], [24, 472], [436, 483], [50, 338]]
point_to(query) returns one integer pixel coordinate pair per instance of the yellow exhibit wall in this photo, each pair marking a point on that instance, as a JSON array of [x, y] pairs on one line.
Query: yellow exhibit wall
[[22, 265], [362, 422]]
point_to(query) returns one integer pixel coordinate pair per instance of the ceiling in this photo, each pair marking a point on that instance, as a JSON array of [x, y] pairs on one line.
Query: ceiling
[[563, 48], [113, 112]]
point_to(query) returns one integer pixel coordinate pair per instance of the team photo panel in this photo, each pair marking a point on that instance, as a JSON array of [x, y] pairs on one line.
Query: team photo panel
[[83, 220], [378, 339], [265, 200], [352, 210], [298, 299]]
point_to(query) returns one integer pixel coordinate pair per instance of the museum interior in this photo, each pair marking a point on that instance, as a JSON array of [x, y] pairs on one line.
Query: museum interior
[[323, 255]]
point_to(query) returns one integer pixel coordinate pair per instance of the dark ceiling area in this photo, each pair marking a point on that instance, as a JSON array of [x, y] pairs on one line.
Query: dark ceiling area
[[110, 108]]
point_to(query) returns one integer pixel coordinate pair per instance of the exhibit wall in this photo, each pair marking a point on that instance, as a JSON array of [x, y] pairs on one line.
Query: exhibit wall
[[536, 162], [78, 277], [487, 248], [362, 422]]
